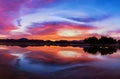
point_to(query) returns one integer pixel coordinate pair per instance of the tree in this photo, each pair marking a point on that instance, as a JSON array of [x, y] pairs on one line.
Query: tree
[[106, 40], [118, 41], [91, 40]]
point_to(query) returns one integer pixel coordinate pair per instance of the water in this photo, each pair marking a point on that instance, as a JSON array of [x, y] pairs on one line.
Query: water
[[50, 62]]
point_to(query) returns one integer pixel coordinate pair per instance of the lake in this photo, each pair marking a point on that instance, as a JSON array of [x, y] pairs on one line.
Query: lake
[[55, 62]]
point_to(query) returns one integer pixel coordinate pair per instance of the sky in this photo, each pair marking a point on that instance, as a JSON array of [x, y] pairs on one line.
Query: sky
[[59, 19]]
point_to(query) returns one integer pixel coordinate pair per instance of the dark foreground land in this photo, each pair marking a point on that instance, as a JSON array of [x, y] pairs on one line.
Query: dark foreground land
[[74, 43], [90, 41]]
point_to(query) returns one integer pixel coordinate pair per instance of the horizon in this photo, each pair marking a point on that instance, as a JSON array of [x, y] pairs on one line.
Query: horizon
[[57, 40]]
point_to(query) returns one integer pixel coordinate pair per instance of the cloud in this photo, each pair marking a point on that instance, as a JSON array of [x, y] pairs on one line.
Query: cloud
[[69, 33], [20, 31], [3, 36], [91, 19], [40, 18], [109, 24], [59, 31], [115, 34], [25, 18], [51, 15]]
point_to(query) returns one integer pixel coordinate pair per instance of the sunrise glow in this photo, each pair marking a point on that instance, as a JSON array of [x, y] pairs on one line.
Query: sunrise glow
[[52, 19]]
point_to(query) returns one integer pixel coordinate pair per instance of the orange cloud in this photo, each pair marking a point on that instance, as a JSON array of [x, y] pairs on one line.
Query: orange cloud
[[60, 32]]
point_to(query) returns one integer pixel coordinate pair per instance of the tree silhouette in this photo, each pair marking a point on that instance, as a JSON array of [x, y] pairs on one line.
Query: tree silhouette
[[118, 41], [107, 40], [102, 40], [91, 40]]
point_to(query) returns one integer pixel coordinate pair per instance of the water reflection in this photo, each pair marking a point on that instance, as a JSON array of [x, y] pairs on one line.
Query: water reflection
[[61, 62], [69, 54], [102, 51]]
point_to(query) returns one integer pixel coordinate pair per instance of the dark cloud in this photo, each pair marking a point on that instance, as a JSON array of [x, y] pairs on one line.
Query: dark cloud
[[90, 19]]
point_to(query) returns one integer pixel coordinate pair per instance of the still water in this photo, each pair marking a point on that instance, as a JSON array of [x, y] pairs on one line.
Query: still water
[[50, 62]]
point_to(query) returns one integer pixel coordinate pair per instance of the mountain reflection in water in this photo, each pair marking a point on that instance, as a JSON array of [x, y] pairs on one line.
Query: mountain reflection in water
[[56, 62]]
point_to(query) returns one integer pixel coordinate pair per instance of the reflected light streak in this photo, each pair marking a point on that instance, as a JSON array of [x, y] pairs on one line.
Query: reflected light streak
[[69, 54], [18, 55], [98, 56], [2, 47]]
